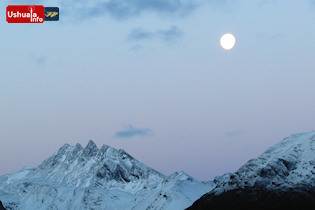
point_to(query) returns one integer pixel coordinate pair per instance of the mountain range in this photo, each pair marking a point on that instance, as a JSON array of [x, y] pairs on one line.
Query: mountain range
[[92, 178], [283, 177]]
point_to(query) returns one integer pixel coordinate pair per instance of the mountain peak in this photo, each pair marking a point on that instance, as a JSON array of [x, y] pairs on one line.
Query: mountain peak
[[104, 148], [89, 177], [78, 147], [63, 150], [91, 149], [91, 145], [284, 171], [64, 147], [91, 166]]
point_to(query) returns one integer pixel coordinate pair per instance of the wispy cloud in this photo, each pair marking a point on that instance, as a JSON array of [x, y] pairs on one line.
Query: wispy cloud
[[171, 34], [136, 48], [131, 131], [124, 9], [40, 60], [235, 133]]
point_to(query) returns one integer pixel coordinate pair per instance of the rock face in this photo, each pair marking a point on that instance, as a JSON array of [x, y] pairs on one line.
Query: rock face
[[283, 177], [1, 206], [92, 178], [258, 198]]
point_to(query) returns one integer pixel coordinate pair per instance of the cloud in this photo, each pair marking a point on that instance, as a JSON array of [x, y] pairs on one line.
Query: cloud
[[40, 60], [235, 133], [136, 48], [123, 9], [131, 131], [171, 34]]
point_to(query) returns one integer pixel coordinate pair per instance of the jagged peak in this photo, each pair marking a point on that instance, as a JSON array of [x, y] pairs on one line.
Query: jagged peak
[[78, 146], [123, 152], [91, 145], [62, 150], [111, 151], [104, 148], [184, 176], [183, 173], [65, 146], [91, 149], [179, 176]]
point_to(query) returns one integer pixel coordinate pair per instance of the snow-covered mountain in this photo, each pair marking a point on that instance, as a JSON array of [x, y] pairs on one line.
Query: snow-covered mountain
[[283, 177], [92, 178]]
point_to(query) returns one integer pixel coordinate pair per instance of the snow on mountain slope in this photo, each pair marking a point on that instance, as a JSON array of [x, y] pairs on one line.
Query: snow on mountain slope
[[91, 178], [106, 167], [291, 162], [285, 172], [179, 191]]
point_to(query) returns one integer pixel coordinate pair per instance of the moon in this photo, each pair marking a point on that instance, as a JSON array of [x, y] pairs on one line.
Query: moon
[[227, 41]]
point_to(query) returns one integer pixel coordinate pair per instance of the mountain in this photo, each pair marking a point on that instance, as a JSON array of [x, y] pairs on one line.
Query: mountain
[[91, 178], [1, 206], [283, 177]]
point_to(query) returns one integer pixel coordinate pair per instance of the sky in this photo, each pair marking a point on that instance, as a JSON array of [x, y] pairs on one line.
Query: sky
[[150, 77]]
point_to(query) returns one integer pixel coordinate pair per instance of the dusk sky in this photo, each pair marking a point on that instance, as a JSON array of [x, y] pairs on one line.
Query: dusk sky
[[150, 77]]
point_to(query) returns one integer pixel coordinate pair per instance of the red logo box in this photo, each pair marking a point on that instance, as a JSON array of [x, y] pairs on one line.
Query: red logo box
[[25, 14]]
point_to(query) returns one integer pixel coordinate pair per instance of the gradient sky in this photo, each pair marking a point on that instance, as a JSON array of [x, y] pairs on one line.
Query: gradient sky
[[149, 76]]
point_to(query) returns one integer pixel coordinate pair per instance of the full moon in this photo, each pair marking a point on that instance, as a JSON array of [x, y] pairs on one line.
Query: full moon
[[227, 41]]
